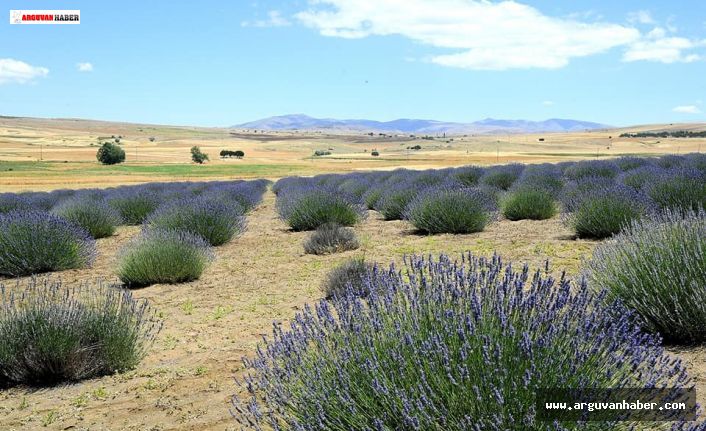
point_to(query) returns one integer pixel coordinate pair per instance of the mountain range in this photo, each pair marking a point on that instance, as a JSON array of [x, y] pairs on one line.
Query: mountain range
[[488, 126]]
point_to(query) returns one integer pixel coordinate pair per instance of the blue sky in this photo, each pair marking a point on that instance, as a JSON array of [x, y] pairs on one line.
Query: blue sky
[[222, 63]]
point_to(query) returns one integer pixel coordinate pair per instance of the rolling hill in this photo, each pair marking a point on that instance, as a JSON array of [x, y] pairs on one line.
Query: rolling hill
[[417, 126]]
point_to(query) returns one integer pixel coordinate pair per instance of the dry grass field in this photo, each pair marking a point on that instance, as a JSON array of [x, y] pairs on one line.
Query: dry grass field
[[185, 381], [38, 154]]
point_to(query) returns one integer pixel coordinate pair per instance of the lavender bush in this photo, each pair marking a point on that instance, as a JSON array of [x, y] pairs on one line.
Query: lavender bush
[[657, 267], [696, 161], [210, 219], [639, 177], [163, 256], [246, 194], [372, 196], [592, 168], [45, 201], [307, 208], [628, 163], [33, 242], [448, 210], [94, 215], [447, 345], [134, 205], [51, 333], [394, 199], [502, 177], [678, 189], [349, 278], [331, 238], [13, 202], [545, 177], [670, 161], [600, 212], [528, 202], [469, 176]]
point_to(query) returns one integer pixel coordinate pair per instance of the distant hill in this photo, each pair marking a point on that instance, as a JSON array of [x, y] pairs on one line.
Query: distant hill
[[487, 126]]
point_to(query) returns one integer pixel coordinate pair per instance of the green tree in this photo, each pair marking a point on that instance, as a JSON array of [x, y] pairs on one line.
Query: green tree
[[110, 154], [197, 156]]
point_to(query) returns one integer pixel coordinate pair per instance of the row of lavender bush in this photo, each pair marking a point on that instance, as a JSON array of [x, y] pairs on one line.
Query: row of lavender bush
[[470, 344], [51, 333], [49, 231], [596, 197]]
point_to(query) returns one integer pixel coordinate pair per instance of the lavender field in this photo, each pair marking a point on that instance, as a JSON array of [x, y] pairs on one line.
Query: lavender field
[[403, 299]]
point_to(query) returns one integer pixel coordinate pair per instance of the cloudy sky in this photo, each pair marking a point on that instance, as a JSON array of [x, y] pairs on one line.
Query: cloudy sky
[[621, 63]]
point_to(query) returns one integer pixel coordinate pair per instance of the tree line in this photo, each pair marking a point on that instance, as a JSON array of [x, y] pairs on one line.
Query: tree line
[[665, 134]]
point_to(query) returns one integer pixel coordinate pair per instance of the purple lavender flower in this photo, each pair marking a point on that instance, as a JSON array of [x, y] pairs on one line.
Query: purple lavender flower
[[33, 242], [444, 344]]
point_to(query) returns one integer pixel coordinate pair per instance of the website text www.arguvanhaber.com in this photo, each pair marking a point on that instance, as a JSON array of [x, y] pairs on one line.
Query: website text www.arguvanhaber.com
[[668, 404]]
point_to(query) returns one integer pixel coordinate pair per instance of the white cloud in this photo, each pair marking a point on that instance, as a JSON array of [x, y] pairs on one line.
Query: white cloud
[[486, 35], [15, 71], [482, 35], [548, 103], [274, 19], [658, 46], [641, 17], [687, 109], [84, 67]]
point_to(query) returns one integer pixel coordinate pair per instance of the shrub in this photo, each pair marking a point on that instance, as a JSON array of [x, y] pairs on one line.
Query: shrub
[[468, 175], [110, 154], [331, 238], [45, 201], [412, 356], [214, 221], [670, 161], [428, 178], [545, 177], [352, 277], [639, 177], [628, 163], [529, 203], [696, 161], [134, 206], [32, 242], [657, 267], [197, 156], [13, 202], [375, 153], [592, 168], [51, 333], [372, 196], [94, 215], [355, 186], [446, 210], [306, 208], [678, 189], [163, 256], [247, 195], [603, 212], [503, 176], [393, 201]]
